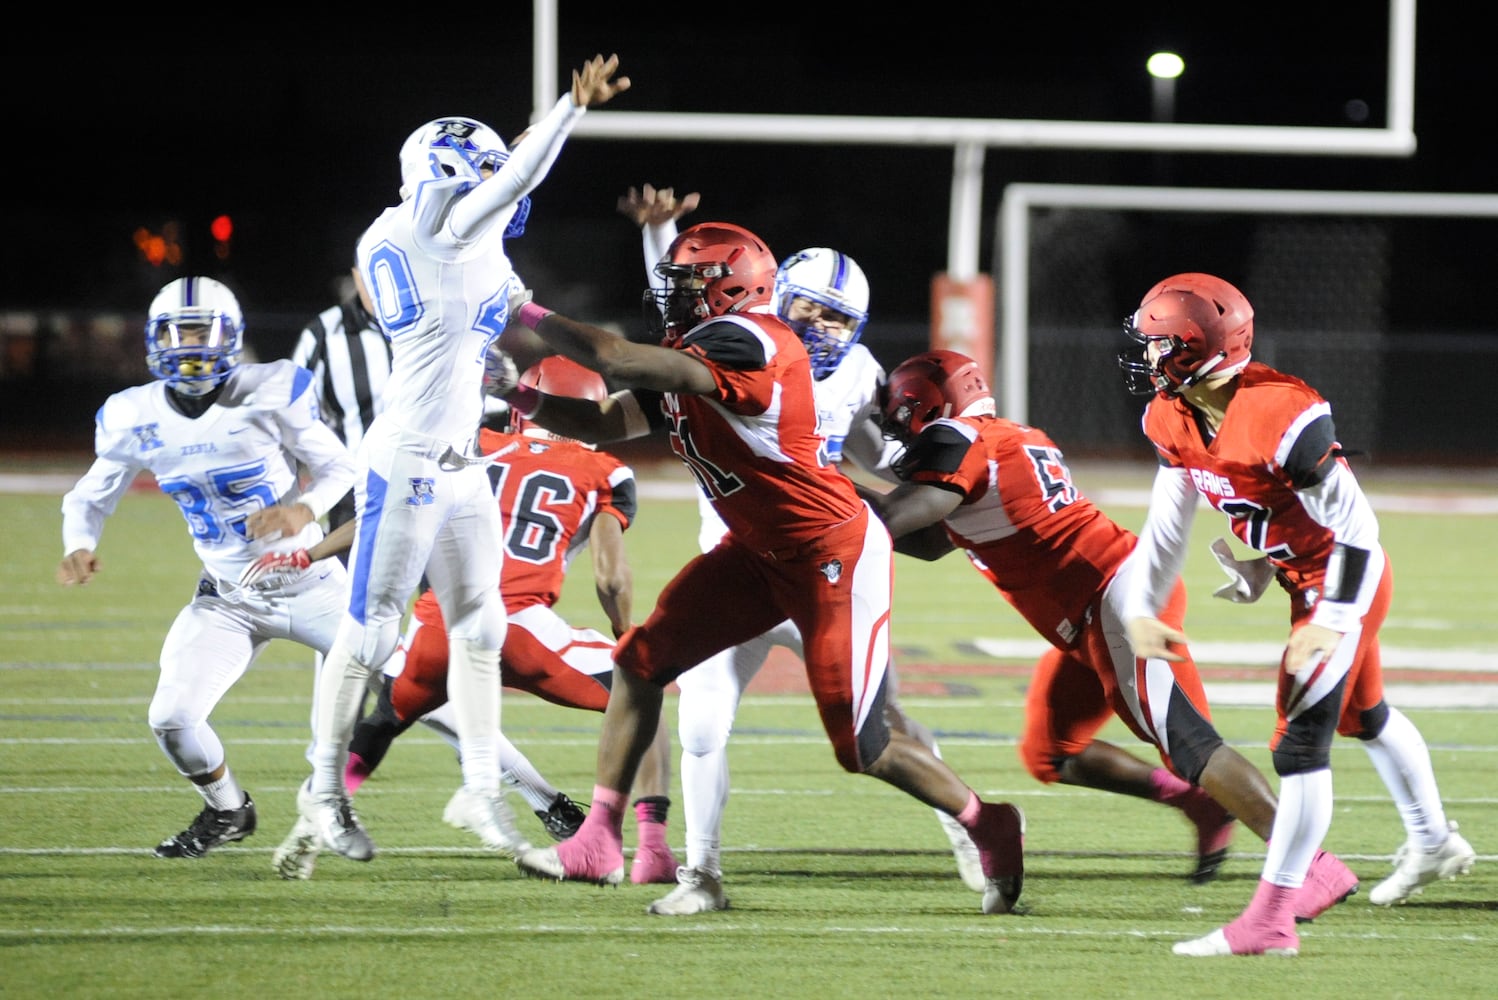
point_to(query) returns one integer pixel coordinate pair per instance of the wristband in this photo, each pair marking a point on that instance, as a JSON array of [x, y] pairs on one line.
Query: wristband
[[530, 314], [525, 398]]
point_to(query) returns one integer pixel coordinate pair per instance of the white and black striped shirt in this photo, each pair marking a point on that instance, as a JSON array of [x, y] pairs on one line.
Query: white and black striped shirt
[[350, 358]]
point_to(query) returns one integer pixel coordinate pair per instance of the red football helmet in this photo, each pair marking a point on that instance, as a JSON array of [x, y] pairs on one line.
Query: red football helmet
[[1200, 325], [556, 376], [931, 386], [712, 269]]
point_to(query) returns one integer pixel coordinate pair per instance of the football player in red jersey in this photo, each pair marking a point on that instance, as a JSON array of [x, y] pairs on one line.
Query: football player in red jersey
[[556, 496], [1002, 492], [1260, 447], [732, 385]]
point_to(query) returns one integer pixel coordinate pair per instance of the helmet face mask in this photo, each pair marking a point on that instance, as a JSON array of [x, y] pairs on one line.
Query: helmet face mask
[[1189, 327], [712, 269], [194, 335], [824, 296]]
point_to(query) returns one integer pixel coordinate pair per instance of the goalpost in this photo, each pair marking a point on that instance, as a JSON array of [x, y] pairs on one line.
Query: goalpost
[[972, 321], [1015, 245]]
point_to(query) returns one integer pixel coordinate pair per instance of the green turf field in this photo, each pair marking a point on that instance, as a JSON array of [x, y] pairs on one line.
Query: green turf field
[[840, 886]]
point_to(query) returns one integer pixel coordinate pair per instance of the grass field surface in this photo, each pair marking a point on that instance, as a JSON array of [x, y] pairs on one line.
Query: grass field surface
[[840, 885]]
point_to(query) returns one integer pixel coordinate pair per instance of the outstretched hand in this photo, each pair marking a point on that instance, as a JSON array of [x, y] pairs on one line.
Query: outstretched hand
[[595, 84], [651, 206]]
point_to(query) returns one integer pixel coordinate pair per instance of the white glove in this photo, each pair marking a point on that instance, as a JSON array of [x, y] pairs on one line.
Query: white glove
[[1250, 577], [500, 373], [519, 296], [275, 569]]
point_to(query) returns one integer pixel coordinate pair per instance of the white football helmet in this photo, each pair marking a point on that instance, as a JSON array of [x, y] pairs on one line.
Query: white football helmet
[[449, 147], [194, 335], [834, 281]]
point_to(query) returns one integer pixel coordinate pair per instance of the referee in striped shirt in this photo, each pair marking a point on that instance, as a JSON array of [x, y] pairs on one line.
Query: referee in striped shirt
[[349, 358]]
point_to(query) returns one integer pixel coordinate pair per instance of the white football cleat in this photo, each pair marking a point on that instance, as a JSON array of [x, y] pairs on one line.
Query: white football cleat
[[965, 851], [296, 857], [335, 823], [487, 817], [1216, 944], [1414, 869], [697, 891]]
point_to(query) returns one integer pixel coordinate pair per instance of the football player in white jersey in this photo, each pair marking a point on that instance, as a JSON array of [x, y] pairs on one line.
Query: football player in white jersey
[[223, 440], [824, 296], [441, 283]]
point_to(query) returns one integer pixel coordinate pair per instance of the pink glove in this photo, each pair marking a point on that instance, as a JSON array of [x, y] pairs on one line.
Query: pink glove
[[275, 569]]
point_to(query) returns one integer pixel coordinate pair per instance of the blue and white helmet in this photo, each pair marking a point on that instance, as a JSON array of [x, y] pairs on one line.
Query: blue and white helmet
[[194, 335], [834, 281], [449, 147]]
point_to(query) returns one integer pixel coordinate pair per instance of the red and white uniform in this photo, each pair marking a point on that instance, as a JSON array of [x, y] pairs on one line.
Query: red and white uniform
[[1275, 469], [549, 492], [801, 544], [1055, 557]]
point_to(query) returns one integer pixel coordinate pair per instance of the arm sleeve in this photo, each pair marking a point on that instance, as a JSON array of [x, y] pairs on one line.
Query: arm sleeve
[[1155, 563], [495, 199], [1356, 563], [91, 501], [656, 240]]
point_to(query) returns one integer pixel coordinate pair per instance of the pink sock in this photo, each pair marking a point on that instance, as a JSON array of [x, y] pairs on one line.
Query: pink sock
[[354, 772], [1168, 788], [606, 810], [969, 815], [1271, 906], [650, 825]]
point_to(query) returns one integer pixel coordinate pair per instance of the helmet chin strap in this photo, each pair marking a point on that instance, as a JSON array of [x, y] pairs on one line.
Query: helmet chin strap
[[1207, 368]]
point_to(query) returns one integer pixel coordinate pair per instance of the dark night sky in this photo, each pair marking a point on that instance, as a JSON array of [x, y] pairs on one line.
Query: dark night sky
[[294, 135]]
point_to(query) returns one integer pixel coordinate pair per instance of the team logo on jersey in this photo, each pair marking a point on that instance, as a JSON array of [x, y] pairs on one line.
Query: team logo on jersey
[[147, 438], [423, 491], [832, 570]]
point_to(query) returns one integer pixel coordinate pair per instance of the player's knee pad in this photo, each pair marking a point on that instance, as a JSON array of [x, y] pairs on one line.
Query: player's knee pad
[[702, 738], [1307, 743], [191, 751], [1191, 739], [375, 644], [484, 623], [701, 732], [168, 715], [1371, 721]]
